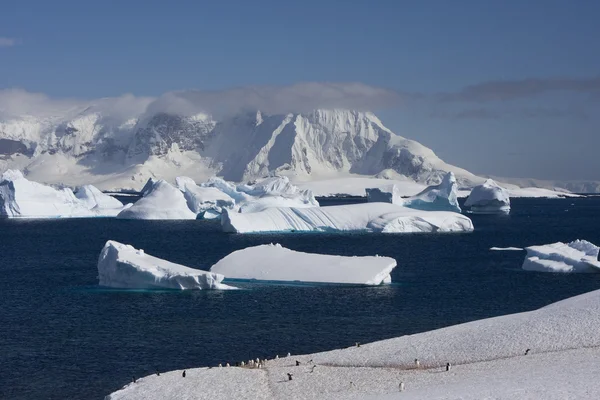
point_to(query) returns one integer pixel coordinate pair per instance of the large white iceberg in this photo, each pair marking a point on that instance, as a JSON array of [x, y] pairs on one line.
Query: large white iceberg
[[270, 192], [22, 198], [371, 217], [442, 197], [489, 198], [123, 266], [162, 201], [204, 201], [577, 256], [100, 203], [276, 263]]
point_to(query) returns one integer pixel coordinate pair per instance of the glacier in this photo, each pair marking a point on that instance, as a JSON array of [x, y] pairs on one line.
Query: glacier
[[576, 256], [21, 198], [369, 217], [122, 266], [488, 198], [162, 201], [272, 262]]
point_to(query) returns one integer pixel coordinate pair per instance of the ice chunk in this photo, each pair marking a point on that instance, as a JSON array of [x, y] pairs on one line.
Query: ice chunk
[[123, 266], [372, 217], [272, 262], [201, 199], [20, 197], [391, 194], [92, 197], [489, 198], [162, 201], [577, 256], [442, 197]]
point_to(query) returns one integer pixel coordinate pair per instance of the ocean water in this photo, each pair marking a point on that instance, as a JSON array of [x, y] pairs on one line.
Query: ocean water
[[63, 337]]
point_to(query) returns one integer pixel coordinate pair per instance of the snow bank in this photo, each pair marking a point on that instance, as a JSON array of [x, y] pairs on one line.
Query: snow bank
[[577, 256], [122, 266], [162, 201], [202, 199], [22, 198], [275, 263], [442, 197], [489, 198], [488, 359], [371, 217]]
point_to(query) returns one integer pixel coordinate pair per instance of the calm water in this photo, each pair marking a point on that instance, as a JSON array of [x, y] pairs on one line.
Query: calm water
[[63, 337]]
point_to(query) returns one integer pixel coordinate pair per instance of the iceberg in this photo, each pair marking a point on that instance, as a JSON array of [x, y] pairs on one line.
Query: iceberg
[[489, 198], [270, 192], [100, 203], [162, 201], [272, 262], [369, 217], [577, 256], [207, 202], [442, 197], [21, 198], [123, 266], [391, 194]]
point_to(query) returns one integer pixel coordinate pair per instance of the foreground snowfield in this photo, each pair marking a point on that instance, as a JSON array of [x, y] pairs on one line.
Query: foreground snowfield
[[487, 356]]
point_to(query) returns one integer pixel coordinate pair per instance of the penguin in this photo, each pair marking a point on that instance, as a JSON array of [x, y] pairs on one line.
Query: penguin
[[183, 375], [289, 355], [242, 363], [157, 373], [227, 365], [297, 363], [133, 379], [259, 365], [220, 365], [313, 369], [401, 386], [277, 356], [527, 351], [289, 376], [237, 363], [448, 365], [357, 344], [417, 363]]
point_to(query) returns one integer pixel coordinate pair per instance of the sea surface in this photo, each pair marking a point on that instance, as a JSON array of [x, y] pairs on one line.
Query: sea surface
[[63, 337]]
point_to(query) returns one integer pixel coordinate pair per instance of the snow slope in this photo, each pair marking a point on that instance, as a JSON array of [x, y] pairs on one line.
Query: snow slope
[[488, 360], [122, 266], [276, 263], [370, 217]]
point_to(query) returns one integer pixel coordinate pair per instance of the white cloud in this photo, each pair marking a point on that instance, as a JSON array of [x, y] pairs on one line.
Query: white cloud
[[8, 42]]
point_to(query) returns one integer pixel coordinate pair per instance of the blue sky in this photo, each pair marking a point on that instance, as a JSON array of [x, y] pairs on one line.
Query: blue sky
[[424, 50]]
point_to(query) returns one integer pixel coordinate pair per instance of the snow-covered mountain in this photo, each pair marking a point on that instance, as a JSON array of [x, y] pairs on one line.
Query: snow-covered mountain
[[88, 146]]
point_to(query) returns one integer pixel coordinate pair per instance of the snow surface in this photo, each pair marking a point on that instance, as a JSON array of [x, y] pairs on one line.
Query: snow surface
[[21, 198], [487, 357], [123, 266], [272, 262], [371, 217], [577, 256], [488, 198], [163, 201]]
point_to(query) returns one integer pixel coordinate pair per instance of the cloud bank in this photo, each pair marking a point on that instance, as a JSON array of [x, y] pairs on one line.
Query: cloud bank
[[8, 42]]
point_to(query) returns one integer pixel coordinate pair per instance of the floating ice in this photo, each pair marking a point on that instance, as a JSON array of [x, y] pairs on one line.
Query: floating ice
[[276, 263], [577, 256], [390, 194], [100, 203], [22, 198], [489, 198], [204, 201], [123, 266], [442, 197], [371, 217], [162, 201]]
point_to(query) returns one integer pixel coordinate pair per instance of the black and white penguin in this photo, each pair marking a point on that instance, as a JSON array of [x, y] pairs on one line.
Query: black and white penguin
[[417, 363], [183, 374], [527, 351], [357, 344], [289, 376], [401, 386], [133, 379], [297, 363], [448, 365]]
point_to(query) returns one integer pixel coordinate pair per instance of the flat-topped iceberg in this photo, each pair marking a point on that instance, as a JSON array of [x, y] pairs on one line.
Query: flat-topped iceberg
[[21, 198], [123, 266], [489, 198], [577, 256], [370, 217], [442, 197], [272, 262], [162, 201], [204, 201]]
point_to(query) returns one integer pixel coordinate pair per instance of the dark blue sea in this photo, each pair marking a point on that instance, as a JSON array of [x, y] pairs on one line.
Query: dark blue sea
[[63, 337]]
